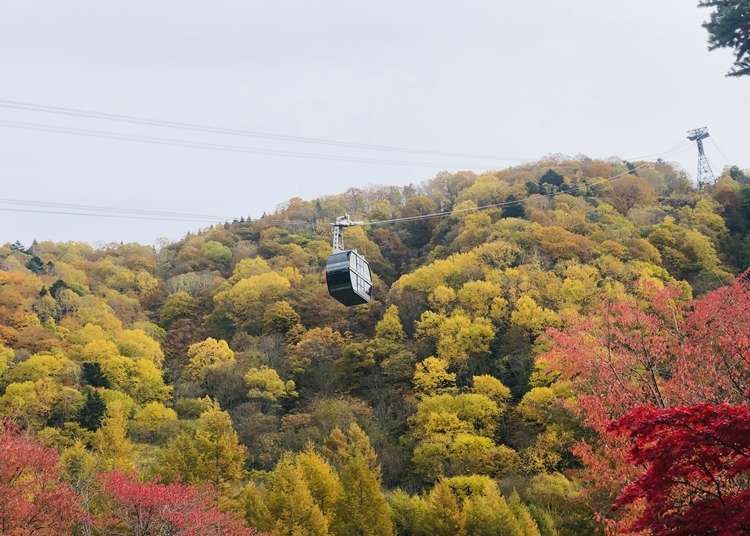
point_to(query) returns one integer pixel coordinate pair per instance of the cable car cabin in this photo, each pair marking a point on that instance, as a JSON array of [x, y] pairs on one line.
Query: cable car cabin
[[349, 278]]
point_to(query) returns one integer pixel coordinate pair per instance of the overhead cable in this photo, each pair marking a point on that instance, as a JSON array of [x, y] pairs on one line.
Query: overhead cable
[[189, 144], [119, 210], [156, 215], [185, 126], [103, 215]]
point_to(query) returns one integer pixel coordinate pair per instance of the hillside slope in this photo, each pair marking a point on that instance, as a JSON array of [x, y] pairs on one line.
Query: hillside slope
[[215, 358]]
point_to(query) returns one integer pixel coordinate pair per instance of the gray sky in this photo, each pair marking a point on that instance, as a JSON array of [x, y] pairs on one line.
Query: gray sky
[[517, 79]]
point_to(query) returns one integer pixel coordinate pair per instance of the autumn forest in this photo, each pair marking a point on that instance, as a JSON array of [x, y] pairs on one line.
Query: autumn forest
[[573, 360]]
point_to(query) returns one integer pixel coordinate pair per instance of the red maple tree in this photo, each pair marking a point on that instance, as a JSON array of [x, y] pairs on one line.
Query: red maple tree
[[697, 477], [666, 353], [142, 508], [34, 500]]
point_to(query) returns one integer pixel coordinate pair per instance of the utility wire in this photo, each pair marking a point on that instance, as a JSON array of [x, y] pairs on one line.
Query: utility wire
[[120, 210], [670, 150], [178, 125], [174, 142], [142, 214], [94, 215], [723, 155]]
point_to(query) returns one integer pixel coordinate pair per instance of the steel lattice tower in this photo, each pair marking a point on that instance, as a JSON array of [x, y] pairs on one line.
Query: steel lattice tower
[[705, 173]]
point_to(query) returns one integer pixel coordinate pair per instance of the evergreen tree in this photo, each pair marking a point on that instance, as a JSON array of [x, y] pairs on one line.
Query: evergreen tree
[[93, 375], [553, 178], [36, 265], [729, 27], [92, 412], [362, 509], [514, 210]]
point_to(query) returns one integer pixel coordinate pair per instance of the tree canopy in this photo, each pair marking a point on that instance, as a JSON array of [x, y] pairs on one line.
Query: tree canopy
[[525, 362]]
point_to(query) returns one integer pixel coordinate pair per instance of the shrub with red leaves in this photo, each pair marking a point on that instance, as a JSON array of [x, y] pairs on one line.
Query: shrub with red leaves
[[34, 500], [142, 508], [697, 478]]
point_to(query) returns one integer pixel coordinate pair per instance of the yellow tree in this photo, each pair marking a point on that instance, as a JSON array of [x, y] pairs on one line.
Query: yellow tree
[[431, 377], [205, 354], [210, 453], [247, 299], [264, 383], [362, 509], [113, 449]]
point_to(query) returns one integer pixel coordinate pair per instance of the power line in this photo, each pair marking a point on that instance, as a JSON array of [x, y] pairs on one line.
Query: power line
[[178, 125], [121, 210], [174, 142], [155, 215], [95, 215], [680, 145], [723, 155]]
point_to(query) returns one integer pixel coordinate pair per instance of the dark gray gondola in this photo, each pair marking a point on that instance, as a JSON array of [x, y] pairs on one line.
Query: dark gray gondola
[[349, 278]]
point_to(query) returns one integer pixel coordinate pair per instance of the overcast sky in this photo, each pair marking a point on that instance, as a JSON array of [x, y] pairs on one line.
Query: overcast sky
[[511, 79]]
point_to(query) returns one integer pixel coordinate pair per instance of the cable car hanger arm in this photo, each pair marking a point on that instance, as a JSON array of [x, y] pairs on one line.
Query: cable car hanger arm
[[337, 227]]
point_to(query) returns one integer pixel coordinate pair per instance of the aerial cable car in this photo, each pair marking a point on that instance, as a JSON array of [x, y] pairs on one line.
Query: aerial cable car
[[348, 273]]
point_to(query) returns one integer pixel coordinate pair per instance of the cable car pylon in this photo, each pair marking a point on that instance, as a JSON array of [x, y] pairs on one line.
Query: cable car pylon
[[705, 175], [348, 273]]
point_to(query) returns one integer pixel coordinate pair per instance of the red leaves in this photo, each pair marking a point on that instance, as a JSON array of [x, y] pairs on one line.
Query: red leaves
[[670, 353], [33, 498], [35, 501], [697, 461], [714, 360], [155, 508]]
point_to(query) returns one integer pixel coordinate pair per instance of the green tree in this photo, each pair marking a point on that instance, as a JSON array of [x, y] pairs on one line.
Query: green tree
[[92, 411], [217, 252], [177, 305], [729, 27], [93, 375], [552, 178]]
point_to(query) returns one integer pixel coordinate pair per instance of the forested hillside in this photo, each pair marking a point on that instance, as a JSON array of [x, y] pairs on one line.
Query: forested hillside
[[495, 385]]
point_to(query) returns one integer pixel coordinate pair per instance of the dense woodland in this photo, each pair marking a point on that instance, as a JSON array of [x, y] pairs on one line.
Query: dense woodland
[[573, 363]]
